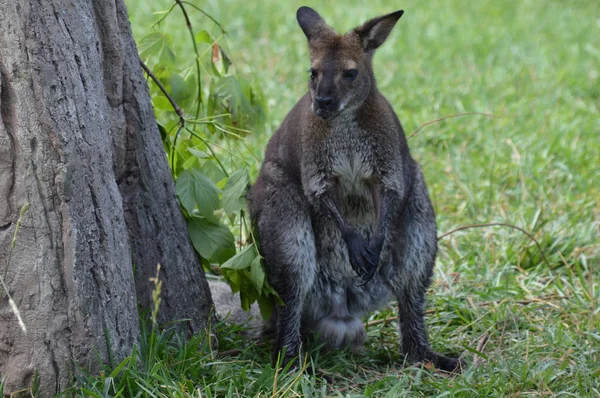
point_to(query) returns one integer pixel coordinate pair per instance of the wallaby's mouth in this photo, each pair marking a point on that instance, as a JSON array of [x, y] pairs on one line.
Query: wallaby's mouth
[[326, 113]]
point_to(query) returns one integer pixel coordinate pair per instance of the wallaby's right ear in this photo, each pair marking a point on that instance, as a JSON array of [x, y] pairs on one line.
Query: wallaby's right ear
[[312, 24]]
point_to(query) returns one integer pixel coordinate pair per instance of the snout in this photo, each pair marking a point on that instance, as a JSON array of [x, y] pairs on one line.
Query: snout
[[325, 107], [324, 102]]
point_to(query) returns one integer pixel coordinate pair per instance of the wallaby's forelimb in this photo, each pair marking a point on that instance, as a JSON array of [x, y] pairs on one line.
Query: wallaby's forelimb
[[363, 257]]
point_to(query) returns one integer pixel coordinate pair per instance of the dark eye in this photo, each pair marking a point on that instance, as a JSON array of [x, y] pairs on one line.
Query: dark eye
[[350, 74], [313, 74]]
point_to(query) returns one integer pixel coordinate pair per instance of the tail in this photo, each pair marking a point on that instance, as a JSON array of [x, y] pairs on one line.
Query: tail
[[229, 310]]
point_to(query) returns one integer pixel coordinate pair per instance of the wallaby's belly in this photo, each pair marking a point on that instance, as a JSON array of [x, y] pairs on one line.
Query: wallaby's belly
[[334, 291]]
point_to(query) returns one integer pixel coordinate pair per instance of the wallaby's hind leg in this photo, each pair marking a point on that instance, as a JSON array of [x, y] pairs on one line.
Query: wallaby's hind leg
[[414, 337], [288, 246], [418, 258]]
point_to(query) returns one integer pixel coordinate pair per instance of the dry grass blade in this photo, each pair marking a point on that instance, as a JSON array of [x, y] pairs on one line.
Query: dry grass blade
[[448, 117], [542, 299], [500, 224], [483, 341]]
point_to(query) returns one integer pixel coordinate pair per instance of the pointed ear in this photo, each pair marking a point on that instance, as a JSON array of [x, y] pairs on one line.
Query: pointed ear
[[374, 32], [312, 24]]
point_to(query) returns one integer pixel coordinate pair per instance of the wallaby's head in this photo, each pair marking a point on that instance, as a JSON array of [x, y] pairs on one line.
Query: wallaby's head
[[341, 73]]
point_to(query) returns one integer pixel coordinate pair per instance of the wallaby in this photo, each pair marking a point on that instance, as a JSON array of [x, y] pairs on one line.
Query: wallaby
[[342, 212]]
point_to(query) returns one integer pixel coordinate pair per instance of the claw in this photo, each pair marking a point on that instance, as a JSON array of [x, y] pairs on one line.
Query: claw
[[360, 271], [366, 277], [363, 271], [370, 261]]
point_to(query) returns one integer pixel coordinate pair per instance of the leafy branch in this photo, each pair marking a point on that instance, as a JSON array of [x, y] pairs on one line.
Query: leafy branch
[[208, 153]]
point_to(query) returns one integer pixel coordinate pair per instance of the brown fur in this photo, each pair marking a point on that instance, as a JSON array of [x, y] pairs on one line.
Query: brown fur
[[341, 209]]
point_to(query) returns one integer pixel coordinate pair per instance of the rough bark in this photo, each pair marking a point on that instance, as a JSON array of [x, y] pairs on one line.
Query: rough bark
[[79, 143]]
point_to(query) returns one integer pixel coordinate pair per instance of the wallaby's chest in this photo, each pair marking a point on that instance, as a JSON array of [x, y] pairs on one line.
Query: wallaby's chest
[[351, 161]]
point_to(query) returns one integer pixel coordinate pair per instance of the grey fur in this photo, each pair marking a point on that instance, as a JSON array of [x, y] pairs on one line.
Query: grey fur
[[342, 211]]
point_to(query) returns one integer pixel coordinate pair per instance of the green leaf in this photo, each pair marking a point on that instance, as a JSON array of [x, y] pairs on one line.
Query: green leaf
[[158, 44], [161, 102], [211, 241], [120, 366], [257, 275], [226, 61], [228, 88], [241, 260], [247, 297], [213, 171], [234, 279], [188, 163], [268, 291], [164, 136], [236, 96], [204, 37], [183, 159], [265, 304], [180, 89], [234, 192], [194, 189], [199, 154], [151, 44], [167, 56]]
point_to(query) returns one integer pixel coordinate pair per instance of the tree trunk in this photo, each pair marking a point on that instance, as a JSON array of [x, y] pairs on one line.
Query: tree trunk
[[79, 143]]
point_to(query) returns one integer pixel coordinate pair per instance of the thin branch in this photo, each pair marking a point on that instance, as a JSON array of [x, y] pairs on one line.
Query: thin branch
[[176, 108], [163, 17], [191, 30], [162, 88], [185, 14], [212, 152], [246, 146], [173, 148], [448, 117], [500, 224], [205, 13]]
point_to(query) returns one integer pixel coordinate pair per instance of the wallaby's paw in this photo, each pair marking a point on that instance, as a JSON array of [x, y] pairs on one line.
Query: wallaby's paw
[[363, 258]]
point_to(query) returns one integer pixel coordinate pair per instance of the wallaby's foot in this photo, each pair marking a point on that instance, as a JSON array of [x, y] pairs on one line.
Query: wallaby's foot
[[288, 353], [448, 364], [292, 362]]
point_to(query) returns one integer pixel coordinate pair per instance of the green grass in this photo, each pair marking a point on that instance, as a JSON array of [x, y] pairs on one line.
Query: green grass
[[535, 66]]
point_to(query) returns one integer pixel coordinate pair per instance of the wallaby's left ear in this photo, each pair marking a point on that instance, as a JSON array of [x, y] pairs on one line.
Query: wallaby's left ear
[[374, 32]]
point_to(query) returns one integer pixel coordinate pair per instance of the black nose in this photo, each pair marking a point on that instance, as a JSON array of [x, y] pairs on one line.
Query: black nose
[[324, 102]]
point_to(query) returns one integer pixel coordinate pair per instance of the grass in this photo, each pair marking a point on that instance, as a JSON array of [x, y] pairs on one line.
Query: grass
[[526, 327]]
